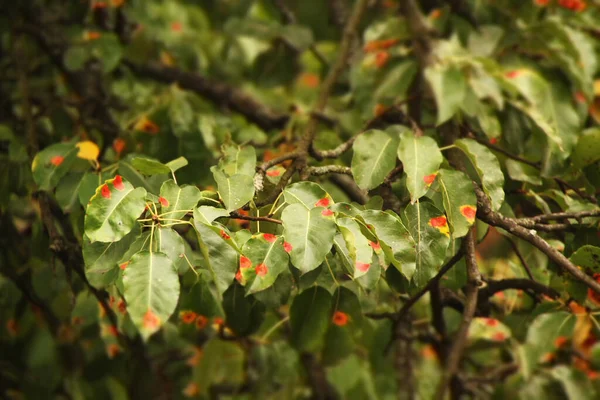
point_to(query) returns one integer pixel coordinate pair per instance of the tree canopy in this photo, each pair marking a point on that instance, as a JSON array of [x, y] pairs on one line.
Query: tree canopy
[[286, 199]]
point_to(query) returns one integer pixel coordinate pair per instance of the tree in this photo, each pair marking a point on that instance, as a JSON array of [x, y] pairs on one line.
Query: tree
[[300, 199]]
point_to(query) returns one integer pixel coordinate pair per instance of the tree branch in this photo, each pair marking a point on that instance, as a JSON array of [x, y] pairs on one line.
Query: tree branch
[[494, 287], [217, 92], [460, 339], [329, 169], [236, 215], [485, 214]]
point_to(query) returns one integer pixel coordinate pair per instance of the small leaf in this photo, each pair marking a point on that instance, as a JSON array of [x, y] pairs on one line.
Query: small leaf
[[112, 213], [306, 193], [271, 256], [310, 234], [151, 290], [148, 166], [238, 160], [421, 158], [358, 246], [52, 163], [235, 190], [460, 202], [449, 87], [374, 157], [587, 257], [177, 163], [487, 168], [88, 150], [180, 199], [587, 150]]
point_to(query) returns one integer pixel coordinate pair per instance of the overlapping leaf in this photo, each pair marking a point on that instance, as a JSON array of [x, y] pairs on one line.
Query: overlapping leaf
[[235, 190], [374, 157], [305, 193], [358, 246], [52, 163], [269, 259], [180, 199], [310, 316], [460, 202]]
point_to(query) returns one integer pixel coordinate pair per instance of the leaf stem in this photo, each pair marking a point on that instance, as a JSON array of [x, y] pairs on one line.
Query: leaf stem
[[273, 329]]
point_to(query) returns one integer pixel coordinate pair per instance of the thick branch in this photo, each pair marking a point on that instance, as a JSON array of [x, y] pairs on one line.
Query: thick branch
[[218, 92], [460, 339], [485, 213]]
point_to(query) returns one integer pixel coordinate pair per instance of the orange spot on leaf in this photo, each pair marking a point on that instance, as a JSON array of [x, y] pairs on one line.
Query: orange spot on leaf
[[327, 213], [118, 183], [273, 172], [113, 350], [490, 322], [151, 320], [261, 270], [468, 212], [375, 246], [269, 237], [245, 262], [287, 247], [309, 80], [340, 318], [163, 202], [429, 179], [441, 224], [57, 160], [362, 267], [324, 202], [382, 58], [224, 235], [560, 342], [201, 322], [187, 316], [105, 191]]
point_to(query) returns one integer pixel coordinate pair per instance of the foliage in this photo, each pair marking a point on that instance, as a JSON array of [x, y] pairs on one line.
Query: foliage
[[297, 199]]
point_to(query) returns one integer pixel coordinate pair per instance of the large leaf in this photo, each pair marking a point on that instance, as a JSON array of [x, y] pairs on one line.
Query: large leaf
[[449, 86], [182, 198], [221, 258], [460, 202], [151, 290], [358, 246], [235, 190], [310, 315], [305, 193], [487, 169], [310, 234], [374, 157], [430, 231], [102, 258], [269, 259], [394, 239], [52, 163], [113, 210], [421, 159]]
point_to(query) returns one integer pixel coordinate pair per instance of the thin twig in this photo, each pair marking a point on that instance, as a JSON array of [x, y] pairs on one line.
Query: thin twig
[[565, 215], [329, 169], [494, 287], [520, 256], [236, 215]]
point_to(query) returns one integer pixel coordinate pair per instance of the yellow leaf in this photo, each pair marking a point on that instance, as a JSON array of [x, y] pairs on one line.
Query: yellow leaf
[[88, 150]]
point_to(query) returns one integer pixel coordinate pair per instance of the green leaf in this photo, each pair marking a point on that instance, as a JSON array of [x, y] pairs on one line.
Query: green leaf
[[102, 259], [542, 334], [235, 190], [521, 172], [269, 259], [587, 257], [244, 313], [429, 229], [421, 159], [394, 239], [229, 370], [148, 166], [67, 191], [52, 163], [221, 258], [177, 163], [587, 150], [449, 86], [310, 234], [182, 198], [151, 290], [460, 202], [575, 383], [238, 160], [374, 157], [358, 246], [112, 212], [305, 193], [310, 315], [487, 170], [170, 243], [207, 214]]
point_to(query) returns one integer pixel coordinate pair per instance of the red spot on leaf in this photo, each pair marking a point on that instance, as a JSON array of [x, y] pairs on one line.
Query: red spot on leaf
[[151, 320], [324, 202], [224, 235], [176, 26], [362, 267], [92, 35], [245, 262], [580, 98], [105, 191], [201, 322], [437, 222], [261, 270], [382, 58], [429, 179], [188, 317], [340, 318], [310, 80], [490, 322], [239, 277], [119, 145], [499, 336], [541, 3], [560, 342], [163, 202], [512, 74], [218, 321], [113, 350], [327, 213], [122, 306], [573, 5], [124, 265], [287, 247], [494, 140], [375, 246], [375, 45], [269, 237], [57, 160], [435, 14], [98, 5], [428, 352], [118, 183], [380, 109], [273, 172], [468, 212]]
